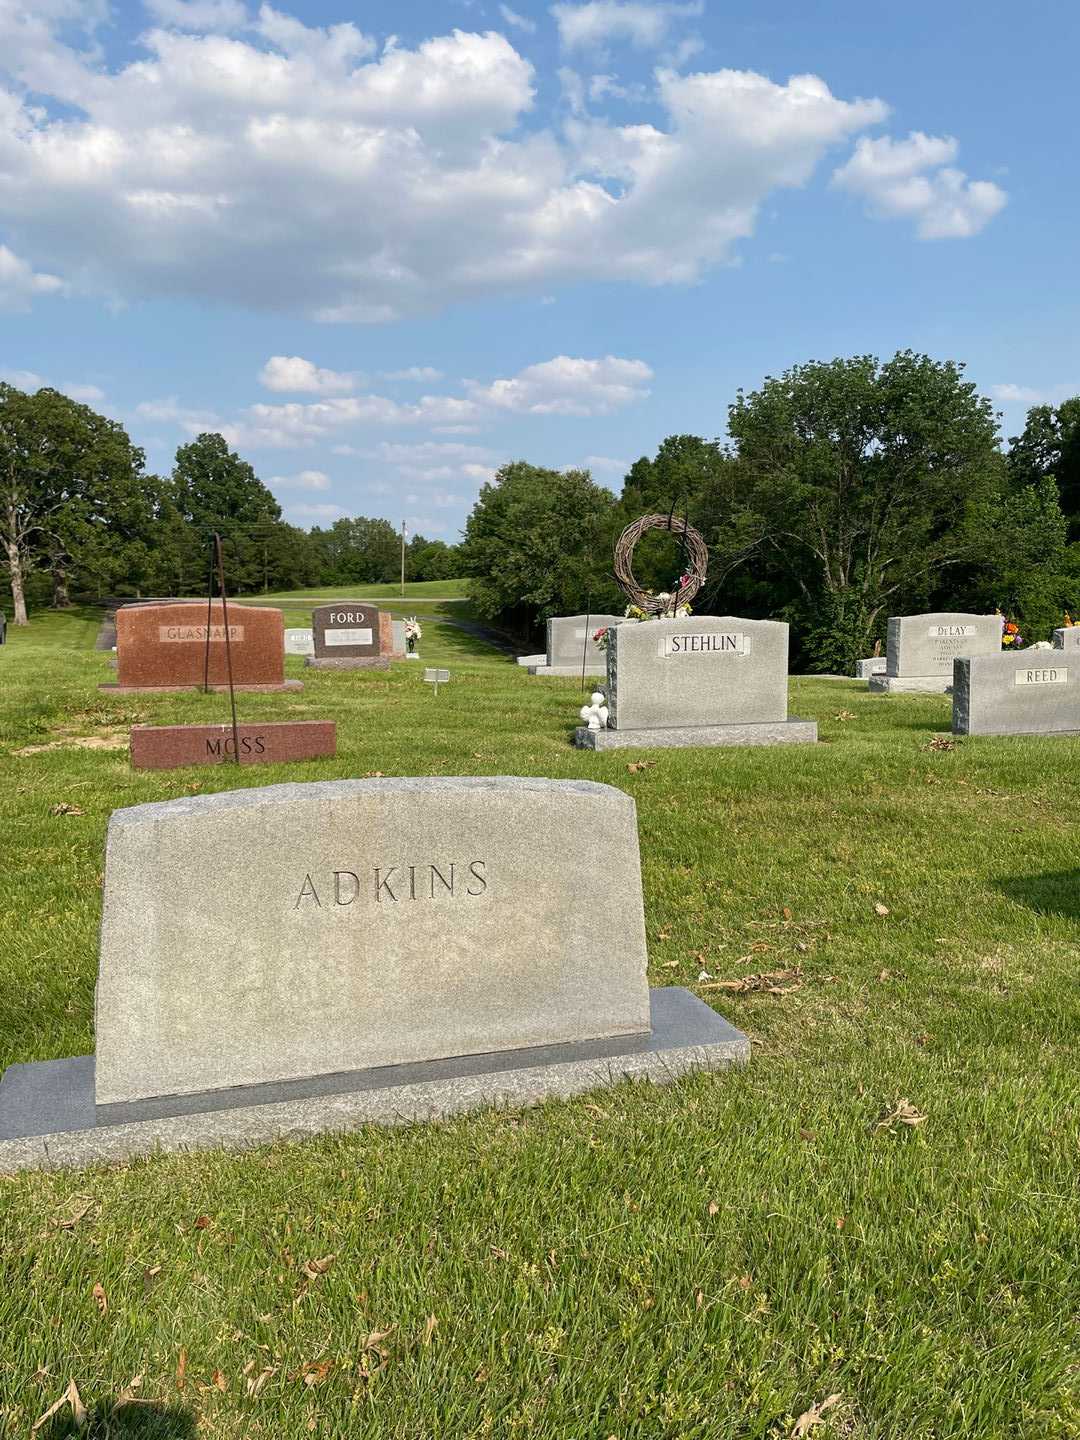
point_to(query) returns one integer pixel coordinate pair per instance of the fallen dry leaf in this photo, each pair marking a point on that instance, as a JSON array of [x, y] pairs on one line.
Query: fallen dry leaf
[[430, 1325], [256, 1382], [713, 1207], [203, 1222], [313, 1372], [83, 1205], [880, 909], [129, 1395], [904, 1114], [844, 715], [769, 982], [63, 808], [70, 1397], [101, 1298], [314, 1268], [942, 742], [181, 1368], [809, 1418], [636, 765], [217, 1379]]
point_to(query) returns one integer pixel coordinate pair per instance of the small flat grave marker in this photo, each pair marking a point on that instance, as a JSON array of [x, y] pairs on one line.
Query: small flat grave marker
[[436, 677]]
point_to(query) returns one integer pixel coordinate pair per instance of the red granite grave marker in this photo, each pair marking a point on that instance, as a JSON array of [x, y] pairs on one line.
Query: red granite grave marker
[[165, 747], [163, 647]]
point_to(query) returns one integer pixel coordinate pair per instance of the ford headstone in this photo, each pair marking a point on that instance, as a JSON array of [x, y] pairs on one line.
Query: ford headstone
[[351, 635]]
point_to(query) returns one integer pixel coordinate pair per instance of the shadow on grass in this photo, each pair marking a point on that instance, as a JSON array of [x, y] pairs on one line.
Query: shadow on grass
[[132, 1421], [1055, 893]]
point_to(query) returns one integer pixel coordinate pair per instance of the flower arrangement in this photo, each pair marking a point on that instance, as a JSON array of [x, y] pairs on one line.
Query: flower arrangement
[[1067, 621], [637, 612], [1011, 639], [413, 632]]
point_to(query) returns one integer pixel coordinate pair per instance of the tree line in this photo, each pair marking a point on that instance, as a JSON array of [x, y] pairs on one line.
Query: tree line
[[847, 491], [81, 516]]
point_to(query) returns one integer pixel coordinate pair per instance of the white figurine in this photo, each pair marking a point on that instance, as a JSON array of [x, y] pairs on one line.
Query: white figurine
[[595, 714]]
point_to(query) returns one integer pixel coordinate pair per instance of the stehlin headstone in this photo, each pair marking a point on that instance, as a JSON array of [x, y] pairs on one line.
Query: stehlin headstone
[[921, 649], [351, 635], [706, 680], [571, 642], [399, 951], [1034, 692]]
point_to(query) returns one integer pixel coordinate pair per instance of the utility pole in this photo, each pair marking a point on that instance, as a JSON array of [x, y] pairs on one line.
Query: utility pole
[[403, 558]]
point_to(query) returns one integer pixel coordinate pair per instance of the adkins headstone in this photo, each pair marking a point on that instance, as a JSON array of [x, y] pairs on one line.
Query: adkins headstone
[[570, 638], [1017, 693], [297, 958], [163, 647], [708, 680], [351, 635], [921, 649]]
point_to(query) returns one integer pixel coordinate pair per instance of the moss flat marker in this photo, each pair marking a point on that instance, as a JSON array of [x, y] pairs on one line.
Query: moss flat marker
[[436, 678]]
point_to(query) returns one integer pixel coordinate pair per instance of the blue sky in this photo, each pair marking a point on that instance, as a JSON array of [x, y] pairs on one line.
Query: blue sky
[[385, 247]]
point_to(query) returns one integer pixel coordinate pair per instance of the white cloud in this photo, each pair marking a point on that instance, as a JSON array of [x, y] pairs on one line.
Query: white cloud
[[567, 386], [913, 179], [594, 24], [425, 373], [195, 170], [292, 373], [84, 394], [602, 86], [20, 283], [201, 15], [520, 22], [304, 480], [308, 511], [606, 462], [1010, 394], [26, 380]]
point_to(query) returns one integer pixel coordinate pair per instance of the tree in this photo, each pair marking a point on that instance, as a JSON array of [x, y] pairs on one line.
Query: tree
[[66, 473], [538, 543], [431, 560], [684, 473], [853, 488], [215, 491], [1050, 445]]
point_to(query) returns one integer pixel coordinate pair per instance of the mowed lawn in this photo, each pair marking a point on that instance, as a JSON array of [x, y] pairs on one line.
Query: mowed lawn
[[881, 1208]]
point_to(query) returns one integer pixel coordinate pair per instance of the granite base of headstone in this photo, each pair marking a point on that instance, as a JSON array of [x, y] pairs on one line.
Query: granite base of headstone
[[710, 680], [167, 747], [526, 661], [921, 649], [872, 665], [347, 662], [1017, 693], [397, 954]]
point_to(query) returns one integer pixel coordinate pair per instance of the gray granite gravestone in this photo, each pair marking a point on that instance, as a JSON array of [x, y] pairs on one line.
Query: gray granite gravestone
[[397, 953], [1017, 693], [709, 680], [922, 648], [299, 642], [397, 628], [1067, 637], [351, 635], [570, 640]]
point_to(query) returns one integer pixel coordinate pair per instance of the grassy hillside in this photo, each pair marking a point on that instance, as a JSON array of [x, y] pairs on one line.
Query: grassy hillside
[[881, 1207]]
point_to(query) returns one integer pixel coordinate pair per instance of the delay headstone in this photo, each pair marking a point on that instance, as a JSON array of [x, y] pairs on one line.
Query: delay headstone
[[921, 649], [163, 647], [351, 635], [571, 639], [1017, 693], [707, 680], [297, 958]]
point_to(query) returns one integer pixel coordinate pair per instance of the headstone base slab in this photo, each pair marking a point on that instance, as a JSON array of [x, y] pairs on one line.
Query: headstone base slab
[[198, 689], [48, 1119], [910, 684], [766, 732], [167, 747], [570, 670], [359, 662], [528, 660], [412, 655]]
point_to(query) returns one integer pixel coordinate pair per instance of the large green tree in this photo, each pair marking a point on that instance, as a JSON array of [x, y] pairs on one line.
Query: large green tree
[[1050, 445], [68, 477], [853, 491], [214, 490], [539, 543]]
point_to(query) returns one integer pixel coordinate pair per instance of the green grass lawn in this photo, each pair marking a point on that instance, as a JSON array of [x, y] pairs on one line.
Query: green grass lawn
[[694, 1263], [414, 590]]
